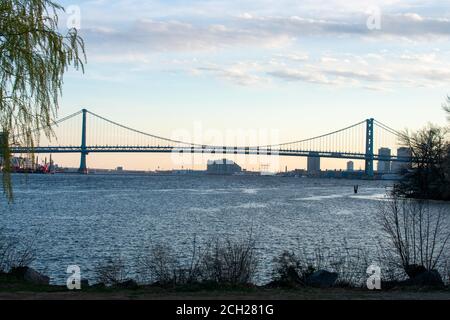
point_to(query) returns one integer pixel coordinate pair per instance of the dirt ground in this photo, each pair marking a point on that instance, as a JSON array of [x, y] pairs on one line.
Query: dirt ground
[[261, 294]]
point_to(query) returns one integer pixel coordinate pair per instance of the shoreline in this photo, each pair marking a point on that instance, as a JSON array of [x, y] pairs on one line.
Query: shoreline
[[258, 293]]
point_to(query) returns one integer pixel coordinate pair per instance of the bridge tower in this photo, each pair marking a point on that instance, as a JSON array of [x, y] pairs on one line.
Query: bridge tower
[[369, 147], [83, 167]]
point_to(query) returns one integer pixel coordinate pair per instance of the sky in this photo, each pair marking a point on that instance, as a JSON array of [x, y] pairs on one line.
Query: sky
[[298, 68]]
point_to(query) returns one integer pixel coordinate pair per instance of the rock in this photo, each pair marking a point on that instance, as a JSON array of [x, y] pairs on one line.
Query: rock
[[322, 279], [427, 279], [128, 284], [84, 283], [35, 277], [414, 270], [30, 275]]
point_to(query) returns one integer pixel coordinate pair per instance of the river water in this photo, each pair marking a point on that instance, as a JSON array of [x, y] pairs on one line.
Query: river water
[[76, 219]]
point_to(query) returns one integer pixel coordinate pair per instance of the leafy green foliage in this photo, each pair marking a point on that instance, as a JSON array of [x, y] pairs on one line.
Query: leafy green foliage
[[33, 58]]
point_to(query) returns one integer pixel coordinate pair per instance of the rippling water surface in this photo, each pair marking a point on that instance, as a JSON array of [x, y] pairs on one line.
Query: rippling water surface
[[82, 220]]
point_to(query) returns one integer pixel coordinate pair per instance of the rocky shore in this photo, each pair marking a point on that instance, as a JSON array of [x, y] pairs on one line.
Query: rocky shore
[[28, 284]]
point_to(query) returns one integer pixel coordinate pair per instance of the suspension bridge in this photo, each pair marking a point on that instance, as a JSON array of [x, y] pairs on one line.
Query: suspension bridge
[[85, 133]]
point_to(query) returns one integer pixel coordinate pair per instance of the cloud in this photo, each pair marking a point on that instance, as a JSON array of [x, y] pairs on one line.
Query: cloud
[[214, 9], [258, 43], [434, 74], [412, 25], [303, 76], [241, 73], [146, 36], [293, 56], [360, 75], [400, 25], [371, 71]]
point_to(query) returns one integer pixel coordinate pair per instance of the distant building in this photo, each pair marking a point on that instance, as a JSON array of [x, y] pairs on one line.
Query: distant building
[[223, 167], [350, 166], [402, 153], [313, 163], [384, 164]]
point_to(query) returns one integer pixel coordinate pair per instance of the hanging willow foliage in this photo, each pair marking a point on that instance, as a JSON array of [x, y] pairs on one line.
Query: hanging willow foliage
[[33, 58]]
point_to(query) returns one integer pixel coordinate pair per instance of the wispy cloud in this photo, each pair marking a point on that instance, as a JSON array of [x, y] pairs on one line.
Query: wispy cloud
[[369, 71], [260, 32], [266, 42]]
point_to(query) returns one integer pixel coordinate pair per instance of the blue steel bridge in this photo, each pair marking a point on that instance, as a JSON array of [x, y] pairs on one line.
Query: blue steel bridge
[[85, 133]]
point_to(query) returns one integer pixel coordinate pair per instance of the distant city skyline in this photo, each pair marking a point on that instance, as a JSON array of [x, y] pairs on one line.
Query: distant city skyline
[[298, 68]]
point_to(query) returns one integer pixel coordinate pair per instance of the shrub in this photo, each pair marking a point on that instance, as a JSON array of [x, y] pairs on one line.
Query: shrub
[[350, 263], [159, 266], [15, 253], [112, 272], [417, 235], [230, 262], [289, 271], [220, 262], [292, 269]]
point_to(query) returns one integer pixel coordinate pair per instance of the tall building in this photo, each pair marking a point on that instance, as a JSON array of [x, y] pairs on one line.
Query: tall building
[[223, 167], [350, 166], [314, 163], [384, 164], [402, 153]]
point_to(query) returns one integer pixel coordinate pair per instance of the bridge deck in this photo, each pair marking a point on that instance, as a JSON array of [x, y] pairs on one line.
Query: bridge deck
[[206, 150]]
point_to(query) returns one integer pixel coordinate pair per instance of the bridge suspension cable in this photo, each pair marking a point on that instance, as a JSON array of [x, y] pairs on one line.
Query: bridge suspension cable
[[141, 132], [17, 137], [321, 136], [291, 145], [389, 129]]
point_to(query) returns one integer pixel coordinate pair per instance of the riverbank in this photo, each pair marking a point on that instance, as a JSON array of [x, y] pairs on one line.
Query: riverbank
[[253, 294], [14, 289]]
